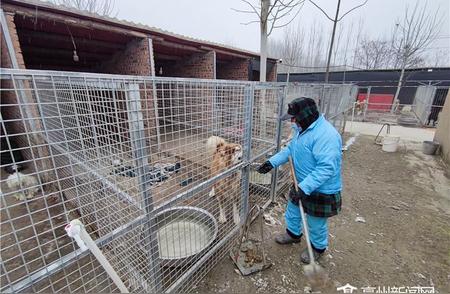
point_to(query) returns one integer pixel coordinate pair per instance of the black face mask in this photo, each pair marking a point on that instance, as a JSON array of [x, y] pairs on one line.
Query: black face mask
[[304, 111]]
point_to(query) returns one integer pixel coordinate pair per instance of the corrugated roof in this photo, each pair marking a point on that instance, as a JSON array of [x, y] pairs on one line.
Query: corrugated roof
[[368, 70], [55, 8]]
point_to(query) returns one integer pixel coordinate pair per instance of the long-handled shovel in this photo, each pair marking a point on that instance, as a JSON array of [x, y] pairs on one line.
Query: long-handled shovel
[[315, 274]]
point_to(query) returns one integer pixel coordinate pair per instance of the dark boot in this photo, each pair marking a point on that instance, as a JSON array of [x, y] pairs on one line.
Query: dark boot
[[304, 256], [287, 238]]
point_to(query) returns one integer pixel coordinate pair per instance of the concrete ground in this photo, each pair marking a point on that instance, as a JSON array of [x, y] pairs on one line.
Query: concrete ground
[[405, 133], [393, 231]]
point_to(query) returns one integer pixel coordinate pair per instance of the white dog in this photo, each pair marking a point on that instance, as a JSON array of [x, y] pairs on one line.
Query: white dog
[[24, 186]]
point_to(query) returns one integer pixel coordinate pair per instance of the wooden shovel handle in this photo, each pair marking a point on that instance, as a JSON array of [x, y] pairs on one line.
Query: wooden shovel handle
[[294, 179]]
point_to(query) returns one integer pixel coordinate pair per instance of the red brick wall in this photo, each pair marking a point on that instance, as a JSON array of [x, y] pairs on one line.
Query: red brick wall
[[198, 65], [6, 61], [234, 70], [10, 109], [10, 112], [33, 146], [134, 60]]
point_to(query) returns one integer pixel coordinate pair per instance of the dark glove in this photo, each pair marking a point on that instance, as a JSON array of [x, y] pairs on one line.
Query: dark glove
[[296, 196], [265, 167]]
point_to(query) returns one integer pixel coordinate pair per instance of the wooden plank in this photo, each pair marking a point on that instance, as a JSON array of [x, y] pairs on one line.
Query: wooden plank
[[177, 46], [63, 53], [225, 52], [64, 41], [26, 12]]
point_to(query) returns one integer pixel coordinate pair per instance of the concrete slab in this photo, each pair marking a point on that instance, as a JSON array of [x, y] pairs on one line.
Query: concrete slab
[[405, 133]]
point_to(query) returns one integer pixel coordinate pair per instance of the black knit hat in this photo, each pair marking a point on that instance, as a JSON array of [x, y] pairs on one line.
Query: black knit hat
[[304, 110]]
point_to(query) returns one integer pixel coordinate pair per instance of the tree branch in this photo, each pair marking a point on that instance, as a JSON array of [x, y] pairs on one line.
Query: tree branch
[[242, 11], [318, 7], [356, 7], [283, 25], [288, 11], [250, 22], [272, 7], [252, 7]]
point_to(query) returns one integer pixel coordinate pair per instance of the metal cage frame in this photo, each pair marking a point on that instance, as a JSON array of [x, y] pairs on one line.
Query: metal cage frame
[[77, 129]]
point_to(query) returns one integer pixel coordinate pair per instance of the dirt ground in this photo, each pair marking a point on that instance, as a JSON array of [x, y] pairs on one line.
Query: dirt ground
[[404, 198]]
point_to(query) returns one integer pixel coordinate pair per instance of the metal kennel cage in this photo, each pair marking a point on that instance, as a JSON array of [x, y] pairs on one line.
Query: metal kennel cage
[[126, 155]]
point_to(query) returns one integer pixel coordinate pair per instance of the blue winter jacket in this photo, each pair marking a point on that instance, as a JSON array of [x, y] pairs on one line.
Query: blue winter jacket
[[317, 158]]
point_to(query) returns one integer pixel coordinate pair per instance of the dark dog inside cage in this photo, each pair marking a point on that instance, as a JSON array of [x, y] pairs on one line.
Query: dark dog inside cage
[[11, 159], [433, 116], [436, 106]]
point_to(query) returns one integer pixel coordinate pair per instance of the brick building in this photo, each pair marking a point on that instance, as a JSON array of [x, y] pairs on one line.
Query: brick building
[[41, 35], [52, 37]]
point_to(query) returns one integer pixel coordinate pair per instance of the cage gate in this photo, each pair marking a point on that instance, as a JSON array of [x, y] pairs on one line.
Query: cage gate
[[127, 156]]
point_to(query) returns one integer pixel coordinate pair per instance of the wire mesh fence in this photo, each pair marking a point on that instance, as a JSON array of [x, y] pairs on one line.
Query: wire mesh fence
[[161, 172], [427, 103]]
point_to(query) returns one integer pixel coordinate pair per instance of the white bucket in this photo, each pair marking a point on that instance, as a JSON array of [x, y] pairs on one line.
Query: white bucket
[[390, 143]]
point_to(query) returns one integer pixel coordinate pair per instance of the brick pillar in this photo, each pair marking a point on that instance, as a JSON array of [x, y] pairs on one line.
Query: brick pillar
[[272, 74], [237, 69], [134, 60], [197, 65]]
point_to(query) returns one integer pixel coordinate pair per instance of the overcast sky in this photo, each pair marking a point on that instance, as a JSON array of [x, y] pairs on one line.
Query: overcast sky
[[214, 20]]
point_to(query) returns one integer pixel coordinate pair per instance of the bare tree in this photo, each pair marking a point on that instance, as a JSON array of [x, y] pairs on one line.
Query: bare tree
[[348, 42], [335, 21], [102, 7], [373, 54], [411, 37], [290, 48], [300, 47], [318, 48], [358, 39], [269, 16], [340, 31], [440, 58]]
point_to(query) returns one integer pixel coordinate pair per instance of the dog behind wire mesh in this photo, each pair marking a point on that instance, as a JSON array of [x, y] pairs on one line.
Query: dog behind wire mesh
[[24, 186], [225, 155]]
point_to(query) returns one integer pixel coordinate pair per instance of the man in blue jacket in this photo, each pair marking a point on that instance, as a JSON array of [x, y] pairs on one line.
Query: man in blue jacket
[[315, 150]]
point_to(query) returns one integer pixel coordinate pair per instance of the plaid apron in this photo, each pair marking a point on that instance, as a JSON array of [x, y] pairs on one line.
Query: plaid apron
[[322, 205]]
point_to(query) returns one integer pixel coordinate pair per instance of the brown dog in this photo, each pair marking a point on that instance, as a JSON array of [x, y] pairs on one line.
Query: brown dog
[[225, 155]]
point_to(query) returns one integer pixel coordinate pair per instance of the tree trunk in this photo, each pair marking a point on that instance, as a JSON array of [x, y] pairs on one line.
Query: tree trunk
[[263, 42], [327, 73], [265, 4], [399, 86], [263, 58]]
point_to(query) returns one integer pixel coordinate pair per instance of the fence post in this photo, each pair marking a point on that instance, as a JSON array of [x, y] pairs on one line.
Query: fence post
[[249, 94], [366, 103], [156, 107], [281, 97], [215, 117], [140, 150]]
